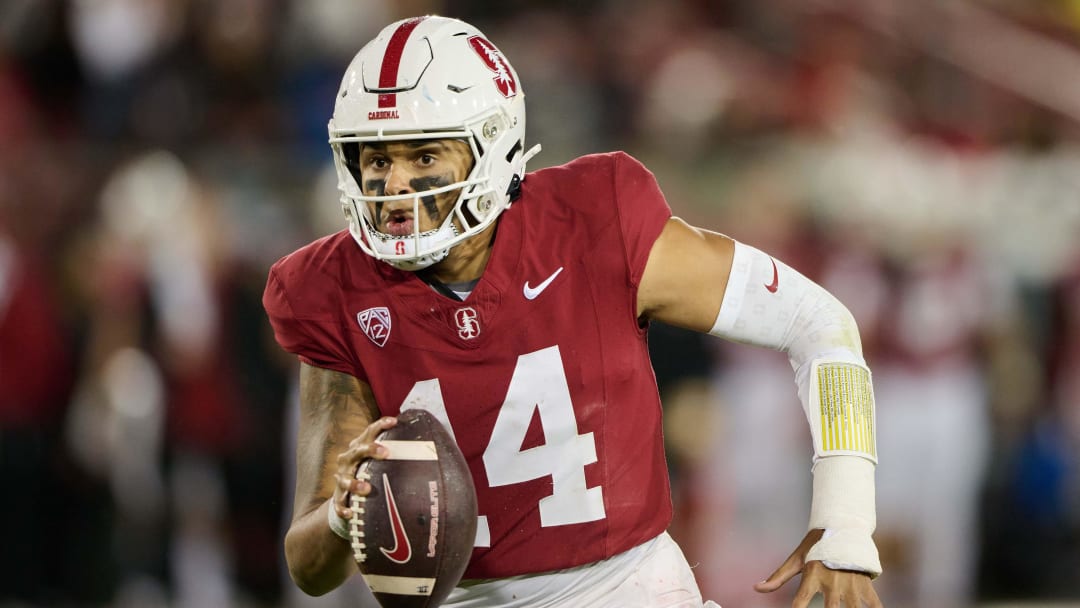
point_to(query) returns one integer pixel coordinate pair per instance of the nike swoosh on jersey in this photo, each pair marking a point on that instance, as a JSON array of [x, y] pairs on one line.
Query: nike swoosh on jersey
[[402, 551], [772, 287], [532, 292]]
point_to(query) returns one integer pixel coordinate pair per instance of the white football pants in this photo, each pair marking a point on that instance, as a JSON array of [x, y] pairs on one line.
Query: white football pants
[[654, 574]]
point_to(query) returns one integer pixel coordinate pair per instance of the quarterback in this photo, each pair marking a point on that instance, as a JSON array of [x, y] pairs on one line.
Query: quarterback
[[514, 307]]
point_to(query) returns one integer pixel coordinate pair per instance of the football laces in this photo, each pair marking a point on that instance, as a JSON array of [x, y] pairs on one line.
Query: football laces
[[356, 522]]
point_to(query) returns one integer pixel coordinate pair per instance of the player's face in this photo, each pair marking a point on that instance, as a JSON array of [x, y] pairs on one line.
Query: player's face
[[408, 167]]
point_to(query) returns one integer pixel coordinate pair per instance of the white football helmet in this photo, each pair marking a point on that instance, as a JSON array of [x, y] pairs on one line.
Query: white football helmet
[[431, 78]]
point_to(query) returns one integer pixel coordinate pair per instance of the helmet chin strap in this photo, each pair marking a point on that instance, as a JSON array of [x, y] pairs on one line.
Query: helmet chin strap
[[514, 191], [386, 245], [533, 151]]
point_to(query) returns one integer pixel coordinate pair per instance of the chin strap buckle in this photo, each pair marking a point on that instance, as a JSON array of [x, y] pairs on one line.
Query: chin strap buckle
[[514, 189]]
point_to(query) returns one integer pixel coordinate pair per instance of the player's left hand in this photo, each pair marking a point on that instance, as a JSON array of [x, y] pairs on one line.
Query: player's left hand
[[839, 587]]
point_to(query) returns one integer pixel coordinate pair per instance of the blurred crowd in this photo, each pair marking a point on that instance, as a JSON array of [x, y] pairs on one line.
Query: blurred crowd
[[919, 159]]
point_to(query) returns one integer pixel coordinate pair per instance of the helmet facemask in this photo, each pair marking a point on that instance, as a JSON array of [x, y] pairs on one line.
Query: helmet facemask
[[476, 207]]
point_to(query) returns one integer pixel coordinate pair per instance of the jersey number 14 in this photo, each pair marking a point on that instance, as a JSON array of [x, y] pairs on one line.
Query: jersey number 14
[[538, 384]]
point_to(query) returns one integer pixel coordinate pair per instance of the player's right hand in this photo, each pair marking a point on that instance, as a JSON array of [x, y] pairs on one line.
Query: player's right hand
[[838, 587], [361, 448]]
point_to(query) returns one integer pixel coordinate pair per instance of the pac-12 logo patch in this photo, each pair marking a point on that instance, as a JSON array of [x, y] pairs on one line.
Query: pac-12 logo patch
[[468, 323], [376, 324]]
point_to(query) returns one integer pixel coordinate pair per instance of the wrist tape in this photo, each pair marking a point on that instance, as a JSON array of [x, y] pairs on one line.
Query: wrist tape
[[843, 506], [338, 524]]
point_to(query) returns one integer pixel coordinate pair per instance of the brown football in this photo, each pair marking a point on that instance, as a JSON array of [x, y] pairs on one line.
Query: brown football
[[413, 534]]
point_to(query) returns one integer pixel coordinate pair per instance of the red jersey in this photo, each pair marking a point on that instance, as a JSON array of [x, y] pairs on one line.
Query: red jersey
[[542, 373]]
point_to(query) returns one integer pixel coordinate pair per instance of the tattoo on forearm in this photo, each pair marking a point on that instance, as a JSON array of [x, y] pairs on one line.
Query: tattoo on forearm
[[335, 408]]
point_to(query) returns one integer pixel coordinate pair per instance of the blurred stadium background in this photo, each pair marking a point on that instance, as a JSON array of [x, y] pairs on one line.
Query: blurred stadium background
[[918, 158]]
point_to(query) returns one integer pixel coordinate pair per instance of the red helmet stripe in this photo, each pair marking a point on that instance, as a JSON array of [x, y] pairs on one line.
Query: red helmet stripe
[[392, 60]]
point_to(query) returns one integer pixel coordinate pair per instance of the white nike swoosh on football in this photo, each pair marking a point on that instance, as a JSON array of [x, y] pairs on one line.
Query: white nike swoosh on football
[[532, 292]]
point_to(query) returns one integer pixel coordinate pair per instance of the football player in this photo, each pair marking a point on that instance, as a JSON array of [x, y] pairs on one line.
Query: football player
[[514, 307]]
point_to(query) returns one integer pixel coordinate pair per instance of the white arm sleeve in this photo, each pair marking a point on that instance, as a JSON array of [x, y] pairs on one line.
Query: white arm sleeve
[[769, 304]]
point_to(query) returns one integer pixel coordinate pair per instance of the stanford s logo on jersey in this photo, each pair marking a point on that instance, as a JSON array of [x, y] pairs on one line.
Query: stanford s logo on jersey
[[467, 323], [376, 324], [494, 60]]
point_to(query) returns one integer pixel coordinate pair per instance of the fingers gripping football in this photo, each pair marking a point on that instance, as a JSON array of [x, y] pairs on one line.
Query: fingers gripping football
[[361, 448]]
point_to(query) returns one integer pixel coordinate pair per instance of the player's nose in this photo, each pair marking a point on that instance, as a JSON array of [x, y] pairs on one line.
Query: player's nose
[[397, 181]]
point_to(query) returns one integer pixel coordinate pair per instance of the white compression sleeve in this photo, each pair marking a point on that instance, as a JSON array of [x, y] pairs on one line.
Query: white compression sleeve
[[769, 304]]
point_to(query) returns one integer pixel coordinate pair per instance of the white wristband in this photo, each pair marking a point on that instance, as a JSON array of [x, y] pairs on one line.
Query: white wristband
[[843, 506], [338, 524]]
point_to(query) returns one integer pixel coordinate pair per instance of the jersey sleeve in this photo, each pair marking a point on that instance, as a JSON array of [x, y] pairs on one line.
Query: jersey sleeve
[[642, 211], [314, 335]]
